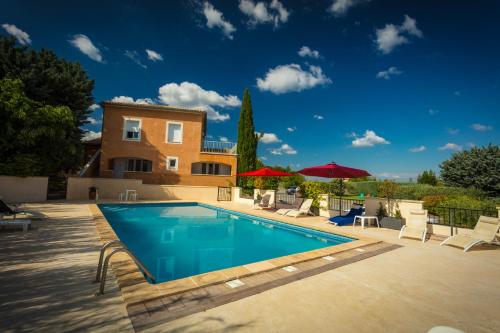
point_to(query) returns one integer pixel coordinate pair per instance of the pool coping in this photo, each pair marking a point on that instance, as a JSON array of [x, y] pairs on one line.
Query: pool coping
[[136, 289]]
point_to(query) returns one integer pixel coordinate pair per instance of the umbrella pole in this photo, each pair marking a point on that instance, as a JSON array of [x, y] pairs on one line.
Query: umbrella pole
[[341, 186]]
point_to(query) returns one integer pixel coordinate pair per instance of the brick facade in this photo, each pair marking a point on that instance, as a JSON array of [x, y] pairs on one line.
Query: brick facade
[[153, 145]]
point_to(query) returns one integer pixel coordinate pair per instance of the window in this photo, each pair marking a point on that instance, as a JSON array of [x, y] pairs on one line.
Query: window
[[172, 163], [132, 129], [138, 165], [202, 168], [174, 132]]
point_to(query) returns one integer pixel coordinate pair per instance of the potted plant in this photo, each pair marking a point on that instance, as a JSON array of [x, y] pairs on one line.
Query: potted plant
[[92, 192], [387, 218]]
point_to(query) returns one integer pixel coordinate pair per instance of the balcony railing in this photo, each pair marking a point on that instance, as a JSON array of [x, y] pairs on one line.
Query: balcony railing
[[219, 147]]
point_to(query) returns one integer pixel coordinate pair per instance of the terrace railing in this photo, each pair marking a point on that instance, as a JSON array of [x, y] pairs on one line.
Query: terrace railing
[[285, 198], [457, 217], [335, 203], [219, 147]]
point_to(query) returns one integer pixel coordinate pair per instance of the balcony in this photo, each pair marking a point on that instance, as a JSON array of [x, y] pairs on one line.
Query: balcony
[[219, 147]]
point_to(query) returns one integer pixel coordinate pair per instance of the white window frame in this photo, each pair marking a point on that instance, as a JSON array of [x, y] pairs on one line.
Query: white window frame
[[124, 134], [176, 164], [182, 132]]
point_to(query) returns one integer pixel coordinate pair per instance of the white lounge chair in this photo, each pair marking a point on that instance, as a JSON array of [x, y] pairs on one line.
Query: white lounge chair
[[24, 223], [485, 231], [265, 203], [305, 209], [416, 225]]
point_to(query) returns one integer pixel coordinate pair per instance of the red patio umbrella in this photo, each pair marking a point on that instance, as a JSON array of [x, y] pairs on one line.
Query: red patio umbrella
[[265, 172], [334, 170]]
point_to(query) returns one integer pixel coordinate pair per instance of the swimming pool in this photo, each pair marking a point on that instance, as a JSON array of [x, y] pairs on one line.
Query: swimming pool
[[177, 240]]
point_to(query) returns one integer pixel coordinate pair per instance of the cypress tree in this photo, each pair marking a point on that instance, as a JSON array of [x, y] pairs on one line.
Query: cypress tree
[[247, 140]]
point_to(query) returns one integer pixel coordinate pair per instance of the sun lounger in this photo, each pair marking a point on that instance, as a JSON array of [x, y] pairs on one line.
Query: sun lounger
[[24, 223], [416, 225], [485, 231], [264, 203], [8, 211], [348, 218], [297, 204], [305, 209]]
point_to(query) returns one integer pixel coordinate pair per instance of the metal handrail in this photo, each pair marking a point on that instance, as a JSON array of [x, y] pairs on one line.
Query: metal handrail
[[102, 277], [101, 257], [106, 263]]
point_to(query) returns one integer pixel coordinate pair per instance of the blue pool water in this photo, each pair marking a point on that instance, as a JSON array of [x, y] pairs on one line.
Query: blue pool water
[[176, 240]]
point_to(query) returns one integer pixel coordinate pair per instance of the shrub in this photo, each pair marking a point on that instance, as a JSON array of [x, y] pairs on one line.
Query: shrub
[[419, 191], [381, 211], [312, 190]]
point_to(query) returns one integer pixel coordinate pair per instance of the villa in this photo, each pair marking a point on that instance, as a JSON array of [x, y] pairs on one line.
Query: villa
[[162, 145]]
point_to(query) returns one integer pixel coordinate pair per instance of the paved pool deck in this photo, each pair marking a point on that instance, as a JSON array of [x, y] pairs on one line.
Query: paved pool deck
[[45, 286]]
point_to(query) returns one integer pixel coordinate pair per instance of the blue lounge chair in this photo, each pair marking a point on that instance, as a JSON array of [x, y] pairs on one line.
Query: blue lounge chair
[[348, 218]]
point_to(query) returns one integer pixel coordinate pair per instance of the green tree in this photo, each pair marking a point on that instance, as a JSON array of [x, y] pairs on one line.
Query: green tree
[[337, 187], [50, 80], [427, 177], [247, 141], [477, 168], [388, 190], [35, 138]]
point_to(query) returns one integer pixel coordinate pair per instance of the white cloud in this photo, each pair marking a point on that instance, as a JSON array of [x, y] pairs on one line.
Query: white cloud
[[369, 139], [283, 13], [191, 95], [457, 93], [340, 7], [130, 100], [452, 131], [153, 55], [261, 13], [291, 129], [391, 36], [22, 37], [215, 18], [433, 112], [389, 175], [94, 107], [387, 74], [287, 78], [470, 144], [481, 127], [450, 146], [410, 26], [263, 158], [305, 51], [91, 135], [93, 121], [319, 117], [284, 149], [223, 139], [388, 38], [351, 135], [85, 45], [269, 138], [418, 149], [134, 56]]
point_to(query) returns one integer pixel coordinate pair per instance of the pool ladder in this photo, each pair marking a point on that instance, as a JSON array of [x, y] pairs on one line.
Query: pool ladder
[[102, 269]]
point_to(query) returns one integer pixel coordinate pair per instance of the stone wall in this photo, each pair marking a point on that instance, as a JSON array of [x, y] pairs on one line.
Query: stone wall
[[23, 189]]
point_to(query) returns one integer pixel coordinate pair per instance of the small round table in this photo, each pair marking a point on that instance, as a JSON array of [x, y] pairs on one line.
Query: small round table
[[362, 219]]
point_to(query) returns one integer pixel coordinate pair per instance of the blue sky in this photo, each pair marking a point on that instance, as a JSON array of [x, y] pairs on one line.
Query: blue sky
[[388, 86]]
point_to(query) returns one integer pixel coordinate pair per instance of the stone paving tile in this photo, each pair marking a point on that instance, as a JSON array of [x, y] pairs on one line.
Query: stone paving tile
[[204, 298]]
